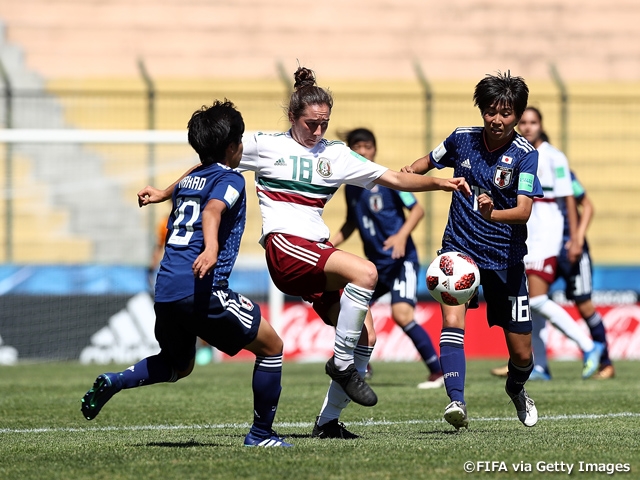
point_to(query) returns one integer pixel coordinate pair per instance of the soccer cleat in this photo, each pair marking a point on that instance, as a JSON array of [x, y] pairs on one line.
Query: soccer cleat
[[105, 387], [456, 414], [500, 371], [436, 380], [368, 374], [592, 360], [605, 372], [352, 383], [332, 429], [540, 374], [271, 440], [525, 407]]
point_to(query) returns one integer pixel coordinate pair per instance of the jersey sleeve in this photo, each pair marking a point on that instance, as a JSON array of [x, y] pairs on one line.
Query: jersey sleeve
[[528, 182], [228, 189], [578, 189], [250, 157], [444, 154], [408, 199], [359, 171], [563, 186]]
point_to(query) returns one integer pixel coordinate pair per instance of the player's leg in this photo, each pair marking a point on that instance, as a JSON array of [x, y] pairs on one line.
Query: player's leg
[[327, 424], [358, 279], [402, 283], [453, 363], [175, 360], [266, 385], [579, 289], [505, 292], [539, 281], [539, 334]]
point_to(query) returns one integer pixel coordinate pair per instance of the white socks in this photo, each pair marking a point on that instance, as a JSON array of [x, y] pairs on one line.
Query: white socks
[[354, 305], [561, 319]]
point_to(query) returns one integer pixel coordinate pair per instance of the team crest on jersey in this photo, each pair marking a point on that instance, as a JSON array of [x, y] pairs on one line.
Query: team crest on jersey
[[246, 303], [503, 177], [324, 167], [507, 160], [376, 203]]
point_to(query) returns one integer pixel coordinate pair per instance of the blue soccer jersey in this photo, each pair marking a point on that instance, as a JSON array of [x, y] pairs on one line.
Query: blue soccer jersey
[[379, 213], [503, 174], [186, 240]]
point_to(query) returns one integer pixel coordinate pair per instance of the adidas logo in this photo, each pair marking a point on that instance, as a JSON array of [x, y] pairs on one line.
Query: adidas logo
[[127, 337], [280, 163], [466, 164]]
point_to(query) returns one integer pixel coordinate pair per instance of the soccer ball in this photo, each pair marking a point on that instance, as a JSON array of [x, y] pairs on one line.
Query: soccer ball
[[453, 278]]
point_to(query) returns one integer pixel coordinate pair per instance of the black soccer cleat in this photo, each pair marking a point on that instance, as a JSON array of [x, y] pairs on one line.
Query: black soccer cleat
[[352, 383], [332, 429]]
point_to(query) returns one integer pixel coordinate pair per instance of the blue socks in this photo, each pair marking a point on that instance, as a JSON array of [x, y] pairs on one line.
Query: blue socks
[[422, 341], [267, 373], [453, 362], [147, 371], [596, 327]]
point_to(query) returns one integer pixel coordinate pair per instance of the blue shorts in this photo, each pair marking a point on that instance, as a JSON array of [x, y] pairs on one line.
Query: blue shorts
[[507, 295], [401, 279], [577, 276], [225, 320]]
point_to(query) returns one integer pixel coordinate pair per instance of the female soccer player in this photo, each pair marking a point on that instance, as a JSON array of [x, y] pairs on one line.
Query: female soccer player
[[500, 167]]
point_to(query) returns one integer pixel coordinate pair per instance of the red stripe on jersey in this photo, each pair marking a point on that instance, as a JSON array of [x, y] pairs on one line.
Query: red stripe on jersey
[[294, 198]]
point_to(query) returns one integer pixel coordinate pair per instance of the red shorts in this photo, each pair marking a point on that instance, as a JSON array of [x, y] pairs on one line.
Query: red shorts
[[296, 266], [545, 269]]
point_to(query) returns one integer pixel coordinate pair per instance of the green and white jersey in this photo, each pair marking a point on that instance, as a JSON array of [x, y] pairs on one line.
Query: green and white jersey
[[294, 182]]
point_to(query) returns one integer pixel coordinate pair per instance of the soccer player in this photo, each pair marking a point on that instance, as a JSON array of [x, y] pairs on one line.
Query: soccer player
[[378, 214], [490, 227], [297, 172], [545, 242], [192, 295], [578, 285]]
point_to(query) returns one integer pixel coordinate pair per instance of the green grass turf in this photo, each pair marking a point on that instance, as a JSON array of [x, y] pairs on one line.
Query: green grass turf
[[195, 428]]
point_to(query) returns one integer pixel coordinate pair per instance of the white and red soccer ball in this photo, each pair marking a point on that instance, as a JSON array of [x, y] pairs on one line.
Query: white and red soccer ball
[[453, 278]]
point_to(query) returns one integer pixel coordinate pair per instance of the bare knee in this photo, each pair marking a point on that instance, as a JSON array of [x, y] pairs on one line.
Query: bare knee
[[366, 275]]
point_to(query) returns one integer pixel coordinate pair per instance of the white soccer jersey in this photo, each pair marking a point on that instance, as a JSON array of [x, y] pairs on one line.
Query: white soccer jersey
[[294, 182], [546, 223]]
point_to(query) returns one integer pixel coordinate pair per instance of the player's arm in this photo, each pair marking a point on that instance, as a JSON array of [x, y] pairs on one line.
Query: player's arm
[[409, 182], [516, 215], [575, 243], [398, 241], [344, 233], [211, 216], [587, 213], [420, 166], [151, 194]]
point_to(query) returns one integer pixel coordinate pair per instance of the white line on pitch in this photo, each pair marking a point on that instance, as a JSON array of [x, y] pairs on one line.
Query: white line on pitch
[[365, 423]]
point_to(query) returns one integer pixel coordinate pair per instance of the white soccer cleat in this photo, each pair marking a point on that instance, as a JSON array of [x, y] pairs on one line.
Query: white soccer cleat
[[525, 407], [436, 380], [456, 415]]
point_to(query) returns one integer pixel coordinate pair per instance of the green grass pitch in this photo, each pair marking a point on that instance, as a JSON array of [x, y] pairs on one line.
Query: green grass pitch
[[195, 428]]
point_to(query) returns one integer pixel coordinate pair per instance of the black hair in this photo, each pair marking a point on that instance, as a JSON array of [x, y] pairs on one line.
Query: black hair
[[503, 89], [543, 135], [360, 135], [306, 93], [212, 129]]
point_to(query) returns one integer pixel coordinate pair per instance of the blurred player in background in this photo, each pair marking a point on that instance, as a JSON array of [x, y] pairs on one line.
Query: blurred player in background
[[378, 214], [578, 285], [544, 244], [192, 295], [490, 227]]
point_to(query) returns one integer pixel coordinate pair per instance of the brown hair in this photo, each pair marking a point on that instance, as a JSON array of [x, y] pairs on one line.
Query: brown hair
[[306, 93]]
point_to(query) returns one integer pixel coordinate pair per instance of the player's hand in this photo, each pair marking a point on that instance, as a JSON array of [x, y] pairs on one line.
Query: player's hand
[[457, 184], [149, 195], [407, 169], [574, 250], [397, 244], [485, 206], [204, 264]]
